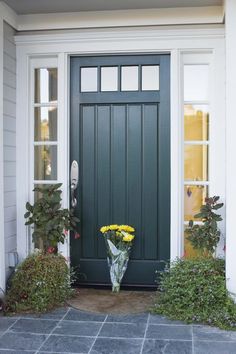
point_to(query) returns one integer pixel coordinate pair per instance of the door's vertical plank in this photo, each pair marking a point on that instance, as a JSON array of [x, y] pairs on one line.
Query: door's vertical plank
[[150, 163], [118, 172], [164, 160], [88, 184], [134, 181], [103, 173]]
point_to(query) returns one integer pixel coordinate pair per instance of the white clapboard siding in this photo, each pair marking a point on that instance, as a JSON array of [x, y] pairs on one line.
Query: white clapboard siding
[[9, 123], [9, 140]]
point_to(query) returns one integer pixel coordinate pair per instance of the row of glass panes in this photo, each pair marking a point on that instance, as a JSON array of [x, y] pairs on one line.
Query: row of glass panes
[[45, 125], [129, 78], [196, 138]]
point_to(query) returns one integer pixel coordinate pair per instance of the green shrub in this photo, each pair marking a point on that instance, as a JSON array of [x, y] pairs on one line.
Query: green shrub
[[41, 282], [194, 291]]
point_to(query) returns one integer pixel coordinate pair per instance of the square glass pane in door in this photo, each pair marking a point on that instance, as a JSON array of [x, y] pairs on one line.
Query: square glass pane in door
[[109, 78], [196, 162], [194, 197], [89, 79], [45, 85], [45, 124], [129, 78], [150, 77], [45, 162], [196, 122]]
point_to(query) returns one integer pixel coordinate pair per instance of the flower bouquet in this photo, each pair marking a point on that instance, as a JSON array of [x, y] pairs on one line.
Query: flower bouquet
[[119, 240]]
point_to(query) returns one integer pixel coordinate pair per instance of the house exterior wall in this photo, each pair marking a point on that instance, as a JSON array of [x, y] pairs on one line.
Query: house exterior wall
[[9, 140]]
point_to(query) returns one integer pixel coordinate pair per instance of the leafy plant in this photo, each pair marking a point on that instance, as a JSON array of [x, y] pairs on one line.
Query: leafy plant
[[205, 237], [194, 291], [40, 283], [51, 222]]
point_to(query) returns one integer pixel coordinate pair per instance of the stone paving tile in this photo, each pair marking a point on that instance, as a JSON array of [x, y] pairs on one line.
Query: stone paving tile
[[130, 318], [158, 319], [76, 315], [78, 328], [34, 326], [53, 315], [5, 323], [123, 330], [212, 333], [67, 344], [169, 332], [206, 347], [152, 346], [116, 346], [21, 341], [2, 351]]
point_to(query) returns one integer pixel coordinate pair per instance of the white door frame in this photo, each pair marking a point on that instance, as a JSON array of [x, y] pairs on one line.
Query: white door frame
[[175, 41]]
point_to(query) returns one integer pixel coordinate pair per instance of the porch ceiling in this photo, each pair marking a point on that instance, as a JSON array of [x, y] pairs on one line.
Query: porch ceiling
[[50, 6]]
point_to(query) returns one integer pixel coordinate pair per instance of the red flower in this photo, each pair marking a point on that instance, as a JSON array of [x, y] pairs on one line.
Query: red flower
[[65, 232], [77, 235], [51, 250]]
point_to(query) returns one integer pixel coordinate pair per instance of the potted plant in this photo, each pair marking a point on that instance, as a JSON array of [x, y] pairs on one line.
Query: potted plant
[[118, 240], [51, 222]]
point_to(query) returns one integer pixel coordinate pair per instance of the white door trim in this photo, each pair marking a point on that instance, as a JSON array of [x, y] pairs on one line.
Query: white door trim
[[113, 41]]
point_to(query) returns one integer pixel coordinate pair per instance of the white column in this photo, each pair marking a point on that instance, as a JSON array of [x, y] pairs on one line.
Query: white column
[[2, 238], [230, 20]]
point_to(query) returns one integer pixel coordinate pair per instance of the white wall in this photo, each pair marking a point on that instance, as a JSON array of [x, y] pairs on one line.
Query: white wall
[[9, 140]]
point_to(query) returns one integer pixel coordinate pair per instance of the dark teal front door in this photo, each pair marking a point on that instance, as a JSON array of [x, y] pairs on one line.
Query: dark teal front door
[[120, 137]]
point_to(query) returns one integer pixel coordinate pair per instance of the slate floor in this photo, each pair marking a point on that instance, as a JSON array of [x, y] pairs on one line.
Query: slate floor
[[71, 331]]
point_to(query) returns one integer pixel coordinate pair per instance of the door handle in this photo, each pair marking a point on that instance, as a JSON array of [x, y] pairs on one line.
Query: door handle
[[74, 180]]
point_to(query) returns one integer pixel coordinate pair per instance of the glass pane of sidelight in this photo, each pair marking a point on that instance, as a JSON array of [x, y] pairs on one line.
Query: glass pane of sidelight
[[45, 85], [194, 197], [45, 162], [196, 162], [89, 80], [45, 124], [196, 122], [109, 78], [129, 78], [189, 251], [150, 77], [196, 82]]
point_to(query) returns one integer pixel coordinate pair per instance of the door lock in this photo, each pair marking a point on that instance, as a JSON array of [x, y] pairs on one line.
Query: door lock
[[74, 180]]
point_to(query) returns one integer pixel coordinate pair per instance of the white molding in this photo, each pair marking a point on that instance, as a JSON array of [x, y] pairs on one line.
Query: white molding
[[8, 15], [230, 145], [112, 41], [2, 234], [121, 18]]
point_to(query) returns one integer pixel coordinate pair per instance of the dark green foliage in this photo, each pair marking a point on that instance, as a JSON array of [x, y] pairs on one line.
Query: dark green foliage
[[40, 283], [50, 221], [205, 237], [195, 291]]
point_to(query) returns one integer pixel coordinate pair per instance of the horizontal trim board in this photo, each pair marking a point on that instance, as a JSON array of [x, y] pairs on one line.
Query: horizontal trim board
[[121, 18]]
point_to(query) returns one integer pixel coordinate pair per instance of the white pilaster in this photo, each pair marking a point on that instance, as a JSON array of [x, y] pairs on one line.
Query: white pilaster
[[230, 20]]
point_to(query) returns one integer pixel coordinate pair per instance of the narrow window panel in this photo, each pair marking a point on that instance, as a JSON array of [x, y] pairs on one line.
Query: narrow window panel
[[196, 122], [150, 77], [196, 162], [194, 197], [196, 83], [129, 78], [45, 85], [45, 124], [109, 78], [45, 162], [89, 80]]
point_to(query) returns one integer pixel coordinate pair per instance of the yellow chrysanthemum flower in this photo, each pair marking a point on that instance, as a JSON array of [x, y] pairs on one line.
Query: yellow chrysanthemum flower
[[126, 228], [128, 238], [104, 229], [113, 227]]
